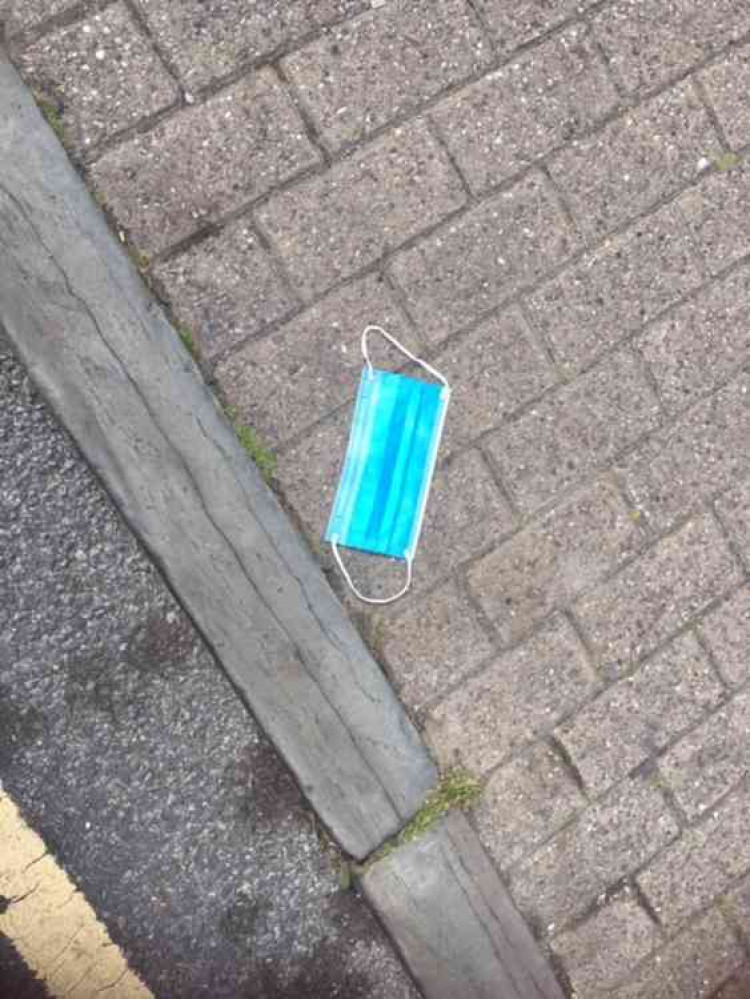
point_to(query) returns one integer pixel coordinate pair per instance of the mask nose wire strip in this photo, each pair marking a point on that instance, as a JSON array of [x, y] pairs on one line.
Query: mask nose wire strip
[[404, 351], [356, 592]]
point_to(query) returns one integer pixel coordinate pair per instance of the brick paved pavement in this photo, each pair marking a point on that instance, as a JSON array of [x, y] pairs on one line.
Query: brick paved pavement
[[550, 201]]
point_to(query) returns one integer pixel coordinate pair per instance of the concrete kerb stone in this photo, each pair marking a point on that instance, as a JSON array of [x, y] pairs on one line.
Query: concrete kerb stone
[[454, 921], [115, 373]]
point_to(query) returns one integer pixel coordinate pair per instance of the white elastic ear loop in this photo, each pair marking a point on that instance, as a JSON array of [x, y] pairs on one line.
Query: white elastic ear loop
[[356, 592], [398, 346]]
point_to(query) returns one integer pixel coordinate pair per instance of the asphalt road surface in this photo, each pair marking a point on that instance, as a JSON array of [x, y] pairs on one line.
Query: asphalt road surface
[[130, 754]]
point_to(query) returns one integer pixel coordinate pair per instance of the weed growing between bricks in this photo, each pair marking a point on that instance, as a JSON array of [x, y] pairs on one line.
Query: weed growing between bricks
[[189, 341], [52, 111], [457, 789], [263, 457]]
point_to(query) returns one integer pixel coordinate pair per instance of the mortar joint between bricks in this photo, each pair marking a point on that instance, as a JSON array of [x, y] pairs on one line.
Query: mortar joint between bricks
[[147, 123], [610, 70], [643, 901], [561, 752], [665, 790], [212, 226], [203, 92], [298, 101], [632, 99], [402, 304], [619, 889], [502, 488], [435, 700], [485, 622], [277, 261], [712, 662], [562, 201], [713, 117], [538, 336], [141, 21], [436, 133], [687, 627], [25, 37], [478, 13], [650, 379], [590, 656], [737, 555], [638, 516]]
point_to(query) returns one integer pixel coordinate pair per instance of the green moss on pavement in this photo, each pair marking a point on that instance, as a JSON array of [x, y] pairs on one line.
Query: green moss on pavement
[[263, 457], [457, 789], [189, 341], [727, 162], [51, 111]]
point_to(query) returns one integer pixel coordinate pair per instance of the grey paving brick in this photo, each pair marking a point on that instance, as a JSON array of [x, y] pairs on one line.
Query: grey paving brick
[[702, 864], [166, 183], [609, 840], [711, 759], [225, 289], [207, 43], [524, 693], [635, 718], [699, 455], [284, 382], [492, 370], [637, 159], [466, 514], [308, 472], [30, 13], [702, 342], [651, 41], [734, 510], [364, 73], [333, 225], [657, 593], [603, 950], [473, 263], [103, 72], [691, 965], [519, 113], [434, 643], [717, 210], [512, 24], [550, 561], [727, 83], [726, 630], [572, 431], [524, 803], [616, 289]]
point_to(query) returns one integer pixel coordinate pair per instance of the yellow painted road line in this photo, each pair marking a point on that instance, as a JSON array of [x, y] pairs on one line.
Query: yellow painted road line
[[51, 924]]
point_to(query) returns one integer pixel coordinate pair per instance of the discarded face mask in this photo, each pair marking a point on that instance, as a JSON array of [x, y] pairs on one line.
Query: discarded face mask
[[390, 460]]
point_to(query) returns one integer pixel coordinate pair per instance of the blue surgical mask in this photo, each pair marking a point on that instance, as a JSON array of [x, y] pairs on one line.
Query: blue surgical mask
[[390, 460]]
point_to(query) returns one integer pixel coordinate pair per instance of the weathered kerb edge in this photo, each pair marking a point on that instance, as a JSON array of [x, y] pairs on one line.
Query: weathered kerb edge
[[453, 920], [117, 375]]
